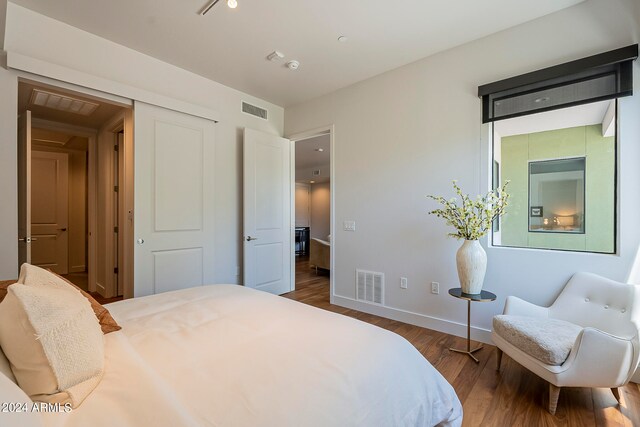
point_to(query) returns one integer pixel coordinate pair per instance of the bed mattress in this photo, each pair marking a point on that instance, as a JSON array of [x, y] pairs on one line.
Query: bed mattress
[[225, 355]]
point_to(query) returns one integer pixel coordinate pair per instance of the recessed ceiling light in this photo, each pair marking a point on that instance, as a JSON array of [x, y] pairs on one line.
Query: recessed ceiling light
[[320, 150], [312, 182], [293, 65], [232, 4], [343, 39]]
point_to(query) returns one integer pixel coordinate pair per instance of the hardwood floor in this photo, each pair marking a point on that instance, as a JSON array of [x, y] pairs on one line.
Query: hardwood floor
[[82, 281], [511, 397]]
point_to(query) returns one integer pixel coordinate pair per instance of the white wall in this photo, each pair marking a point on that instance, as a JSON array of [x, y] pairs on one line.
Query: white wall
[[37, 36], [320, 210], [303, 205], [8, 176], [407, 133], [3, 14]]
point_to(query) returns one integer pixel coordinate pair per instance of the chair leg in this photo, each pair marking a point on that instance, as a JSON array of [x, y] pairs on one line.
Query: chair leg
[[554, 393], [498, 358], [616, 393]]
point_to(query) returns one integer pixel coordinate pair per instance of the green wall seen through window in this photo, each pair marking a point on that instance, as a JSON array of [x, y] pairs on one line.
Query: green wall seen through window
[[583, 141]]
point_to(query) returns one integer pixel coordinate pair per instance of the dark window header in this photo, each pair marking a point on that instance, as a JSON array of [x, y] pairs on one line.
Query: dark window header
[[595, 78]]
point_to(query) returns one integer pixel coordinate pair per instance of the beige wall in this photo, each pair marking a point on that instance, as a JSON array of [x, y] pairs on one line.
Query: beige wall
[[303, 205], [407, 133], [77, 211], [321, 210]]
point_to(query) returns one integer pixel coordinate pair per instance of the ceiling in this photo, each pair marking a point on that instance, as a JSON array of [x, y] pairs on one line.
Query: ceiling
[[581, 115], [45, 137], [230, 45], [308, 159], [99, 117]]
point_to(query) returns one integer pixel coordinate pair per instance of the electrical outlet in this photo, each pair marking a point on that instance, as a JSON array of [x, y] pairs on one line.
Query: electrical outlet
[[349, 226], [435, 287], [403, 282]]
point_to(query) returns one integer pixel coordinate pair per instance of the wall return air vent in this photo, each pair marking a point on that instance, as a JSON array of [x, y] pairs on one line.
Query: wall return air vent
[[370, 286], [65, 103], [254, 110]]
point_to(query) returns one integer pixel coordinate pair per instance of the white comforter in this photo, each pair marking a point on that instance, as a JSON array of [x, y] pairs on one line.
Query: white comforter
[[225, 355]]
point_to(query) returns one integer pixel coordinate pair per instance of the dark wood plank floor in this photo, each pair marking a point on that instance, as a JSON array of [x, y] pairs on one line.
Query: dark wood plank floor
[[81, 280], [511, 397]]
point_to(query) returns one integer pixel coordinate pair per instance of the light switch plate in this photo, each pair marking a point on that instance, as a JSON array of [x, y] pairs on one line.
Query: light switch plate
[[349, 226], [435, 287]]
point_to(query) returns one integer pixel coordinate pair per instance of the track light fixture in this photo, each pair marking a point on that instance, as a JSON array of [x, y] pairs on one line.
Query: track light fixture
[[231, 3]]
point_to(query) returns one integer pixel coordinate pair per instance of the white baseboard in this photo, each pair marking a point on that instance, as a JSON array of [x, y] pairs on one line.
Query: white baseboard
[[440, 325], [100, 288], [77, 269]]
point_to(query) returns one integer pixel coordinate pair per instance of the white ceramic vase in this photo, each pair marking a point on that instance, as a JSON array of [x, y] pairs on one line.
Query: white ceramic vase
[[471, 260]]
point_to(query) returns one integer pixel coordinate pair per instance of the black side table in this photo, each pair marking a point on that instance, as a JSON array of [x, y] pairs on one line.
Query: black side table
[[483, 296]]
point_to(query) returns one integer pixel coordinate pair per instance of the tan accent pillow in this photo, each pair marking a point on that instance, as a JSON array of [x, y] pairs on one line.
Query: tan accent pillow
[[4, 284], [52, 339], [107, 323]]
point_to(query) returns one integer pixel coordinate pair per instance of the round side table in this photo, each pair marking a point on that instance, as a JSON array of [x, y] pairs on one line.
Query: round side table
[[483, 296]]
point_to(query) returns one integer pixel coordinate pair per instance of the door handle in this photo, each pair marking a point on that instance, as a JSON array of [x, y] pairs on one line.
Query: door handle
[[28, 239], [62, 229], [140, 241], [249, 238]]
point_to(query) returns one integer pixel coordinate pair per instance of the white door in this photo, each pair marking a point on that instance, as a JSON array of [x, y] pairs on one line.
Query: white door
[[24, 188], [174, 195], [50, 210], [267, 212]]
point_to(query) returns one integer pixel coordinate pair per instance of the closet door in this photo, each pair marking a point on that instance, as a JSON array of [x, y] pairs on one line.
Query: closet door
[[174, 200]]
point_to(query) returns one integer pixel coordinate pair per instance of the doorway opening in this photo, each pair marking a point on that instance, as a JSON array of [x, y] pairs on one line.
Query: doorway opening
[[313, 212], [75, 186]]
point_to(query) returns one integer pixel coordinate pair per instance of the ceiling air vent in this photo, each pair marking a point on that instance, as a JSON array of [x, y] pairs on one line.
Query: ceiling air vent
[[316, 172], [370, 286], [65, 103], [254, 111]]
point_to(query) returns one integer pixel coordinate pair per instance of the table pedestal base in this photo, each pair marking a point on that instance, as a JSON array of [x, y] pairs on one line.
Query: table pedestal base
[[468, 352]]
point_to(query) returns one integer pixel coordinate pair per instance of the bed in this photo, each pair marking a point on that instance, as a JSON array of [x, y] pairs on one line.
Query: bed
[[225, 355]]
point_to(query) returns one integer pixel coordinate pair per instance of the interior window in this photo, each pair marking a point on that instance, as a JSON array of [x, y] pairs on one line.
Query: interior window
[[561, 165], [556, 195]]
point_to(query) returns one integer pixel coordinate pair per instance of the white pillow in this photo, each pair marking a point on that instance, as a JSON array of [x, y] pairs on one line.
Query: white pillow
[[20, 413], [52, 338]]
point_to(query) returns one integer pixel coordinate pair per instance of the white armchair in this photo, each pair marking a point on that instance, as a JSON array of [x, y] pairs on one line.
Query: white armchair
[[594, 320]]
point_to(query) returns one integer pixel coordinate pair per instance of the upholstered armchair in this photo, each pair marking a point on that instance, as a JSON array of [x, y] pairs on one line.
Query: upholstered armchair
[[587, 338], [320, 254]]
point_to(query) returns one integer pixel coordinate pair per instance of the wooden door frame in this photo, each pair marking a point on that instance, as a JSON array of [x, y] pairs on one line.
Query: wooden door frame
[[322, 130], [122, 122]]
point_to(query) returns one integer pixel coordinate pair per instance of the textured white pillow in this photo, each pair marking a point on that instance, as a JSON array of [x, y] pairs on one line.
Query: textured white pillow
[[52, 338]]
